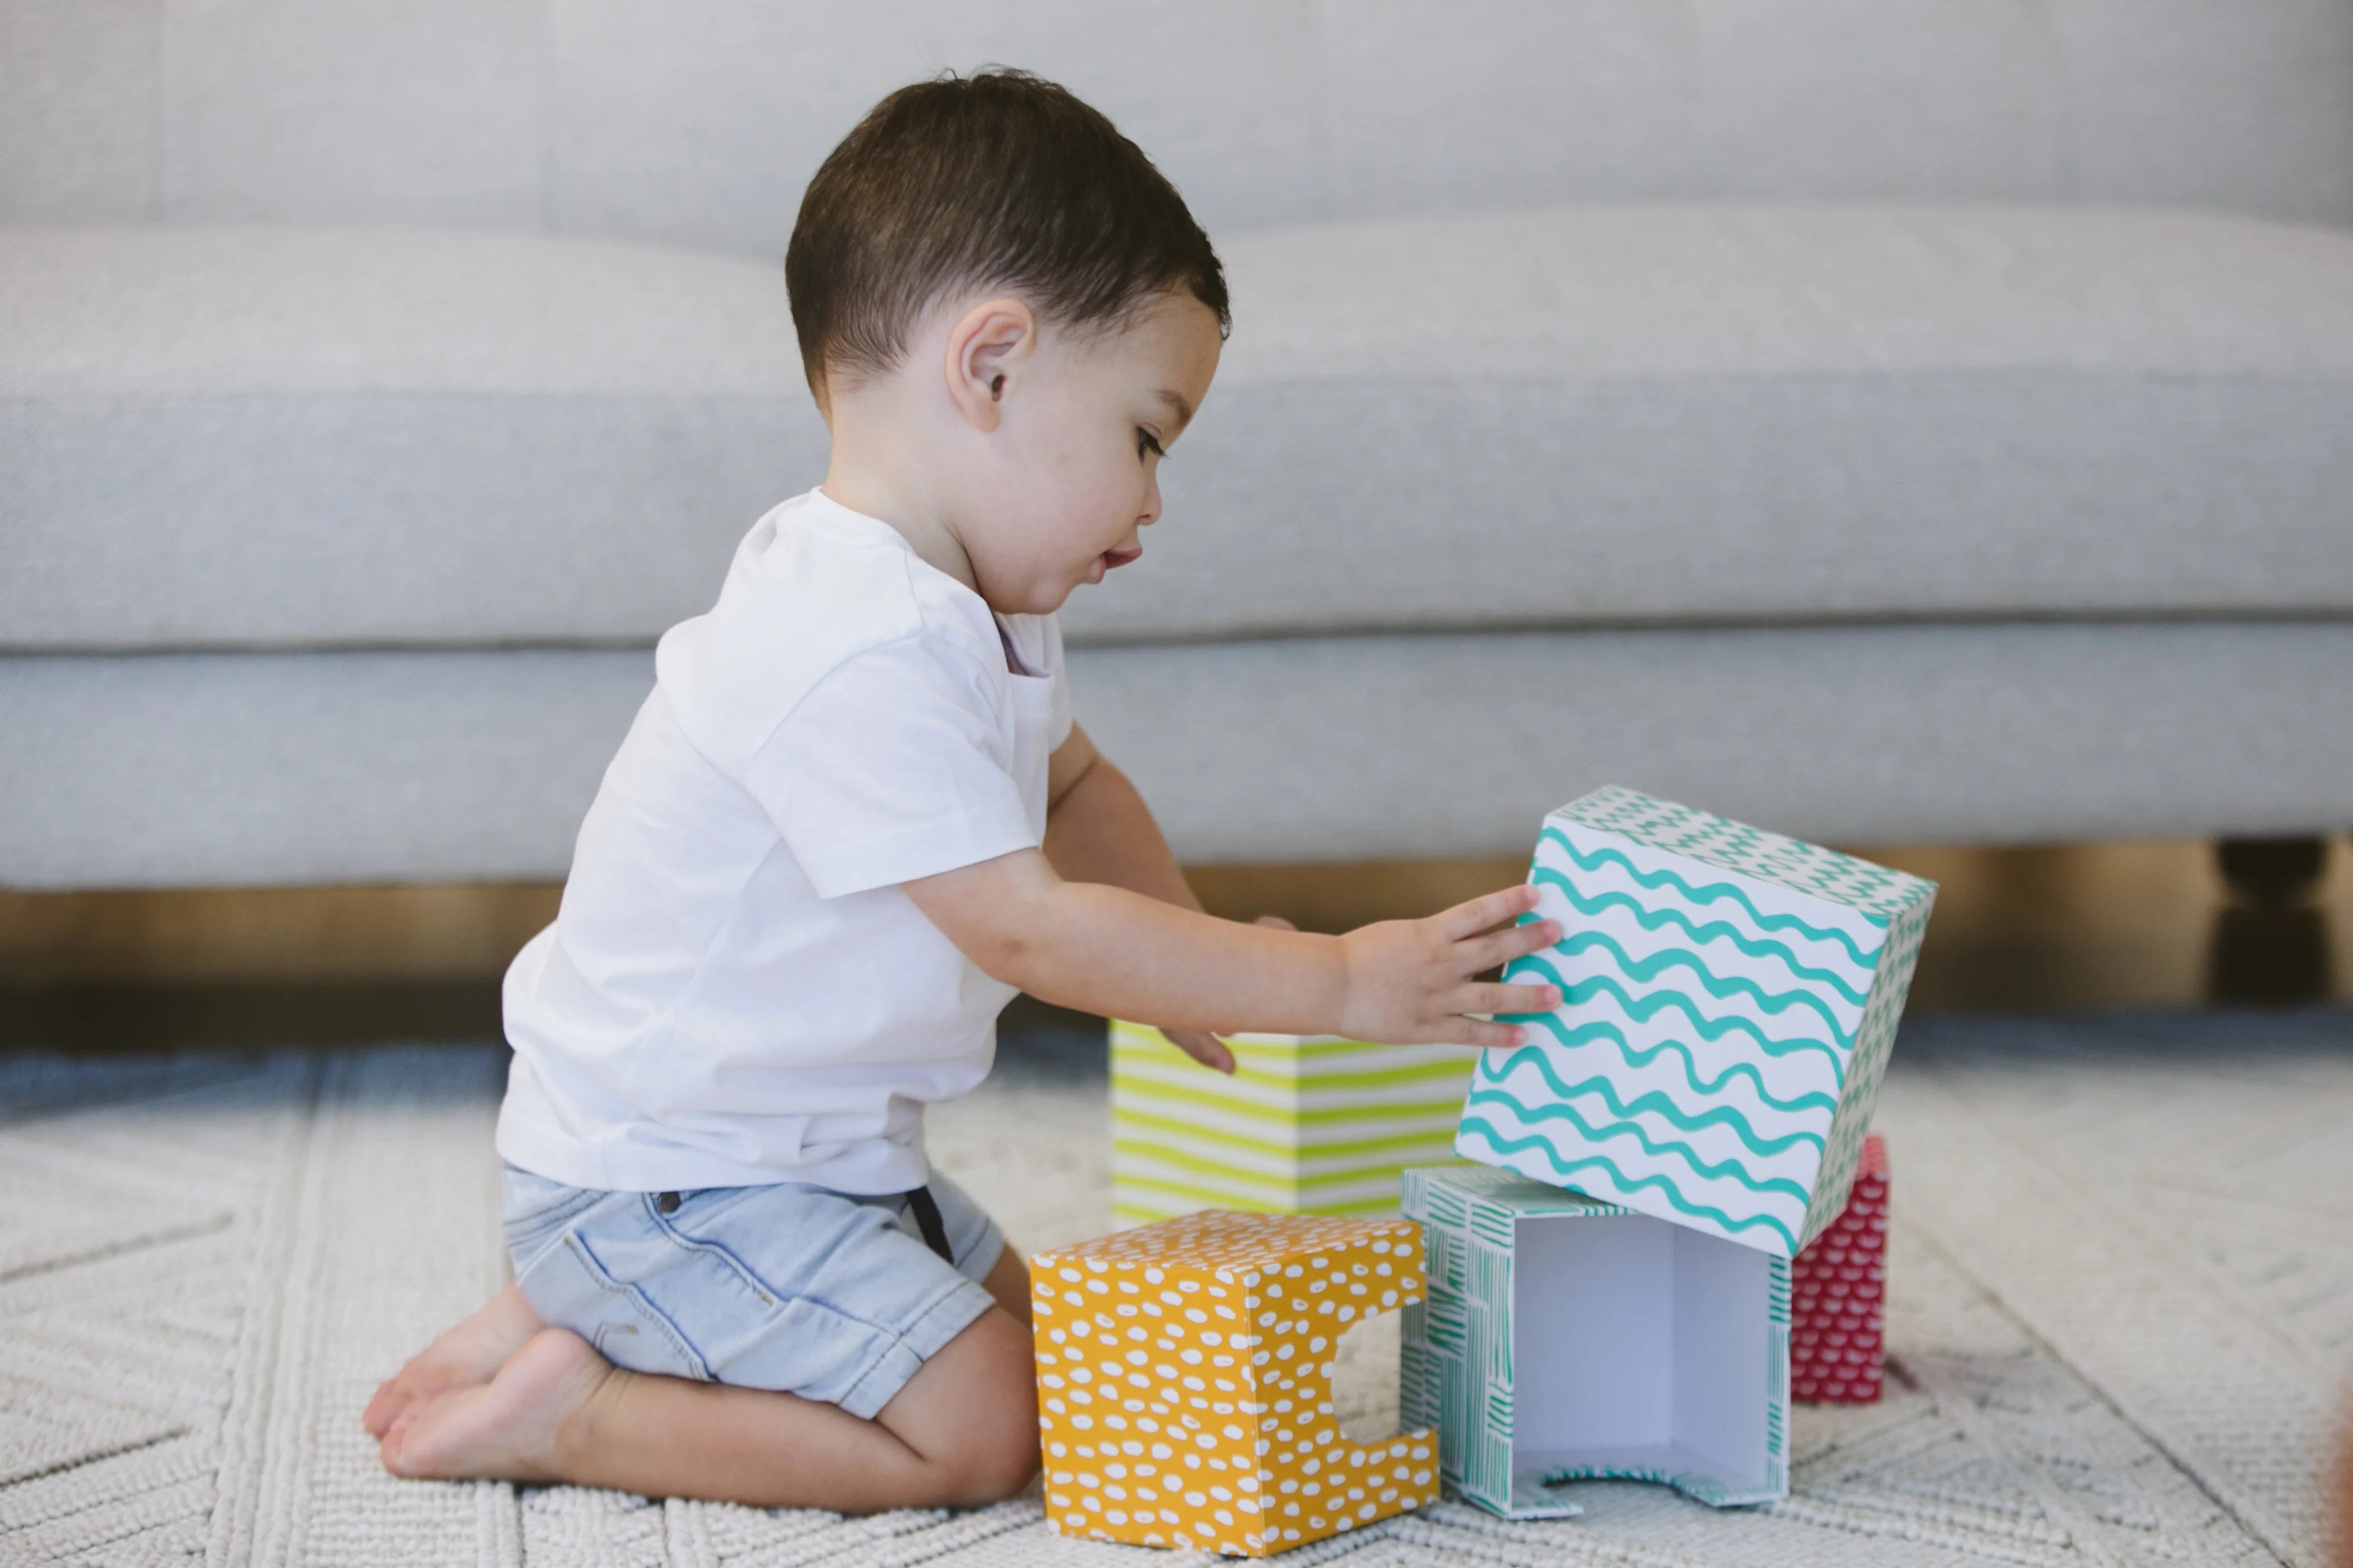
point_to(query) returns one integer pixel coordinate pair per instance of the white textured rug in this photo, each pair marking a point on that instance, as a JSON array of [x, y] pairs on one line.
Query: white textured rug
[[2121, 1312]]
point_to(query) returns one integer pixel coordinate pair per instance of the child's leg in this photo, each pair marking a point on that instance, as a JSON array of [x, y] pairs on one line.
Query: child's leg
[[964, 1430], [466, 1356], [470, 1353]]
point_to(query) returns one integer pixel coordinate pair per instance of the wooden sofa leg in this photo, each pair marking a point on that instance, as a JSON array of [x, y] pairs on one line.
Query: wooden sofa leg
[[2273, 873], [2270, 944]]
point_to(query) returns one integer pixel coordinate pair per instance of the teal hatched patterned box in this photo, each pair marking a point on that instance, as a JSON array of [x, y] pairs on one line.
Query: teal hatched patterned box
[[1730, 997], [1567, 1339]]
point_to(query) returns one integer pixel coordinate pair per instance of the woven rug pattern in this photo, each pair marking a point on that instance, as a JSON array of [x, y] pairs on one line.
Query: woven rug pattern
[[2121, 1318]]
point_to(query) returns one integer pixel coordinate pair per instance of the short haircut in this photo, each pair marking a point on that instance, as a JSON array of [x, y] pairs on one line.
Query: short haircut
[[998, 179]]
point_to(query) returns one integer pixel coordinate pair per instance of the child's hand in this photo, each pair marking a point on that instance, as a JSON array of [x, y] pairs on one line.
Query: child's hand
[[1206, 1047], [1409, 982]]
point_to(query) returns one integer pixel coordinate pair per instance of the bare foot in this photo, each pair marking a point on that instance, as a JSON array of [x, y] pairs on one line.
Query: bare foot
[[465, 1356], [509, 1428]]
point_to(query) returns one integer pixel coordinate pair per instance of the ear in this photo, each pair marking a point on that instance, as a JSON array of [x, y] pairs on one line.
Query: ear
[[988, 349]]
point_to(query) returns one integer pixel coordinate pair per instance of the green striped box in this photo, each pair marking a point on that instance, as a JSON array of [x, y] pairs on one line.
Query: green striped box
[[1305, 1125]]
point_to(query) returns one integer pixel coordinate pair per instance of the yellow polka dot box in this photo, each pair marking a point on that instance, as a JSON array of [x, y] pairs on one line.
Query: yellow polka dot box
[[1184, 1382]]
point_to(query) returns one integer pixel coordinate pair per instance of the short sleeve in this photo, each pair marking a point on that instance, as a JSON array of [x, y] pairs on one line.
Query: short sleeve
[[893, 767]]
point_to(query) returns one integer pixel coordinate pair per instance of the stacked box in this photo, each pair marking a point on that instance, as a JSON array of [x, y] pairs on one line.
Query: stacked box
[[1184, 1382], [1304, 1125], [1729, 1000], [1838, 1299], [1565, 1339]]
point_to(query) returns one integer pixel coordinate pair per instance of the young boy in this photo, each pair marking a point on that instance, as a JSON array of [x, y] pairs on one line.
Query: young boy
[[852, 818]]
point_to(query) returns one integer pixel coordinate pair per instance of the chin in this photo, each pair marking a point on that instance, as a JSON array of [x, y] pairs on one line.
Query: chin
[[1042, 600]]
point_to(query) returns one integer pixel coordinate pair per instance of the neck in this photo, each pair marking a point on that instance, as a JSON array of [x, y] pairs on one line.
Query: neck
[[875, 469]]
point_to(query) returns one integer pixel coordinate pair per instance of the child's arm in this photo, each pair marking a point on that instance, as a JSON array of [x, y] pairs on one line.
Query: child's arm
[[1111, 951], [1098, 828]]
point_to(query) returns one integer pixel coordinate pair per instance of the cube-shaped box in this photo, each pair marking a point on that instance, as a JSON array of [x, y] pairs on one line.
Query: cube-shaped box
[[1184, 1382], [1568, 1339], [1305, 1125], [1838, 1296], [1730, 997]]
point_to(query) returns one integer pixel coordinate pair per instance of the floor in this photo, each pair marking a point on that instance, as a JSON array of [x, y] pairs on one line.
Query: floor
[[2121, 1314], [2124, 1248]]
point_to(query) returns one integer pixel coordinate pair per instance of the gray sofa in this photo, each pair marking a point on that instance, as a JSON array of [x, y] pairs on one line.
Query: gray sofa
[[1924, 419]]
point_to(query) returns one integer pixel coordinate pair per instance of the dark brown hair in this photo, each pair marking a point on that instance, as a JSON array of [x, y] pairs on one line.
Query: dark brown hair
[[996, 179]]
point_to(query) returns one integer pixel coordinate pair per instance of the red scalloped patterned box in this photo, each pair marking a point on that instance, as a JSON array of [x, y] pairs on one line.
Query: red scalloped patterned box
[[1838, 1296]]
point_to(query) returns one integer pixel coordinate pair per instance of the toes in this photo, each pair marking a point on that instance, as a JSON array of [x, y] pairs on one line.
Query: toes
[[430, 1439], [394, 1450], [392, 1397], [436, 1369], [506, 1427]]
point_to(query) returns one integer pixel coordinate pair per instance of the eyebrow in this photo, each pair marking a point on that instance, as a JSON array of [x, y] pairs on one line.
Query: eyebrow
[[1176, 401]]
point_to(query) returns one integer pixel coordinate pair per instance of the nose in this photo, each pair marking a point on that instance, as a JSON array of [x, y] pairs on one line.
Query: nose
[[1151, 513]]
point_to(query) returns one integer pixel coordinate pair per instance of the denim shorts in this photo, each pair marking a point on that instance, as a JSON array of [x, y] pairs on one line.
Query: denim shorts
[[798, 1289]]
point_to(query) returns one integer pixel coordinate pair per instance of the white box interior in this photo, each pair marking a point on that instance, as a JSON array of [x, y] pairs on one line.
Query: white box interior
[[1639, 1347]]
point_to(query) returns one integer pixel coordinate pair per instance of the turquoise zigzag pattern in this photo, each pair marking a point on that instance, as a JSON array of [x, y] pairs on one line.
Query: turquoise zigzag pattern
[[1565, 1168], [1654, 1104], [1649, 969], [1723, 1170], [1643, 1009], [1706, 895], [1714, 931], [1585, 1033]]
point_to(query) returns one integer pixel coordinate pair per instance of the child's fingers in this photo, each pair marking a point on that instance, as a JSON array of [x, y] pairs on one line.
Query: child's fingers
[[1465, 1031], [1492, 998], [1488, 910], [1203, 1047], [1503, 946]]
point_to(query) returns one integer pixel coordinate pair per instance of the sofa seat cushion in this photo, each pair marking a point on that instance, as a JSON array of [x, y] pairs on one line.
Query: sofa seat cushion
[[1567, 418], [425, 765]]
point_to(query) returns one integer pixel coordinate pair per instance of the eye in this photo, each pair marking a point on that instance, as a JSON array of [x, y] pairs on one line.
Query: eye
[[1145, 441]]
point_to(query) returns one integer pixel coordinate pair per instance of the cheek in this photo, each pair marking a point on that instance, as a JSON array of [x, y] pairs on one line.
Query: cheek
[[1086, 483], [1102, 486], [1075, 516]]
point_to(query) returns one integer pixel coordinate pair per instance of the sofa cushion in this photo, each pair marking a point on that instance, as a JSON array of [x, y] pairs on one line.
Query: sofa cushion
[[1586, 415], [423, 766], [1568, 417], [222, 437], [699, 124]]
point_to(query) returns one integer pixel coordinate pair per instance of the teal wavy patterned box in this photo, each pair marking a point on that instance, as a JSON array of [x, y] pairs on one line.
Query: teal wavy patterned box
[[1563, 1339], [1730, 997]]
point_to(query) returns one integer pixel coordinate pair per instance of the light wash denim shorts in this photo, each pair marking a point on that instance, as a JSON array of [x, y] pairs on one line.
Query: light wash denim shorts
[[823, 1294]]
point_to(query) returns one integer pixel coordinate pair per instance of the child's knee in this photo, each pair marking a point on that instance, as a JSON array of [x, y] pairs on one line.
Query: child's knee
[[983, 1424], [1002, 1471]]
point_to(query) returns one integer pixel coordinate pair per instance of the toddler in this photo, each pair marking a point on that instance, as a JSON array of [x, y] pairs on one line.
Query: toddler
[[852, 818]]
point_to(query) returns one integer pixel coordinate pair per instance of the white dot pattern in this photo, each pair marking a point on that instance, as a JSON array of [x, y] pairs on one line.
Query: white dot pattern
[[1184, 1382]]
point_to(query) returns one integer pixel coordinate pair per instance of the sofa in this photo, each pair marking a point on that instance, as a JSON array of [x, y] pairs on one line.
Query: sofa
[[1923, 420]]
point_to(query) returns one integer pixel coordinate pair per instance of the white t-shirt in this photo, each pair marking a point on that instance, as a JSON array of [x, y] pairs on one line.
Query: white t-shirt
[[735, 990]]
